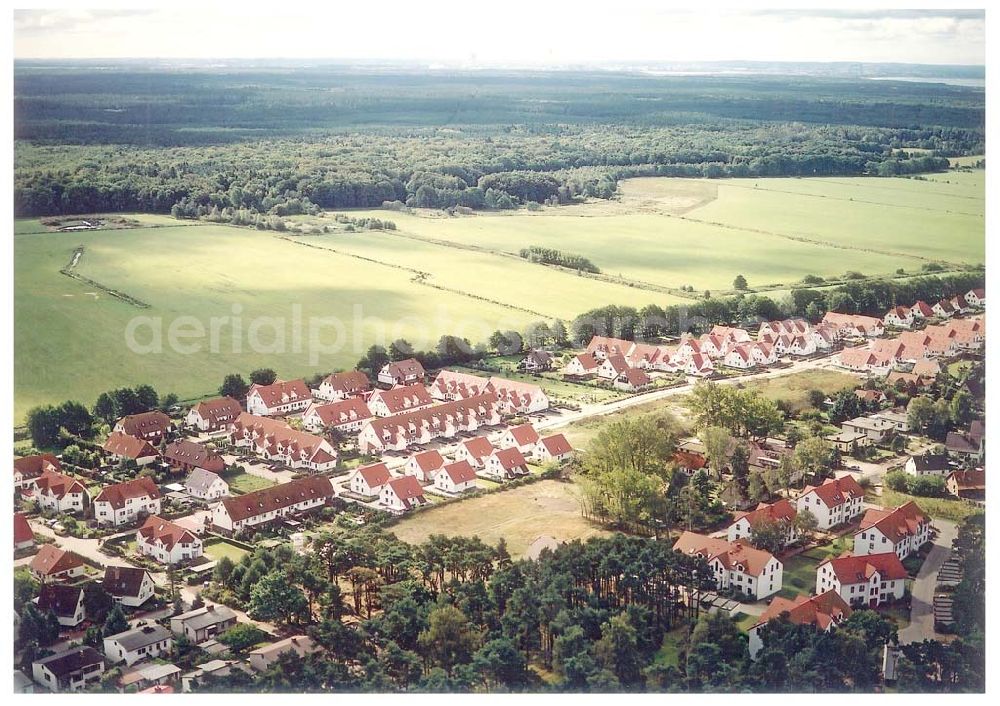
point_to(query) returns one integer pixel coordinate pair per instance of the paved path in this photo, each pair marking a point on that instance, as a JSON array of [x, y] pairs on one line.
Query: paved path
[[921, 625]]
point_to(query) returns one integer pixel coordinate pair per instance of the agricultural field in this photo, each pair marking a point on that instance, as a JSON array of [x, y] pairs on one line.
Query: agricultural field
[[519, 515], [437, 274]]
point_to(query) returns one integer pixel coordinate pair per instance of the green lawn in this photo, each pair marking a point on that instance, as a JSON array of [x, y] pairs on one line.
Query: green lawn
[[799, 571], [218, 548], [795, 388], [246, 483], [669, 653], [557, 388], [939, 508]]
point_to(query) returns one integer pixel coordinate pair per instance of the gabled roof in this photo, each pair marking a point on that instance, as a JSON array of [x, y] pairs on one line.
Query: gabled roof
[[510, 459], [407, 489], [201, 480], [301, 644], [375, 475], [524, 434], [204, 617], [617, 363], [461, 385], [460, 472], [124, 581], [539, 357], [272, 433], [49, 561], [58, 484], [836, 491], [187, 452], [478, 447], [690, 459], [896, 524], [429, 460], [117, 494], [351, 382], [435, 418], [281, 392], [404, 368], [219, 410], [780, 511], [352, 409], [61, 599], [930, 462], [121, 444], [851, 569], [144, 423], [587, 361], [63, 664], [609, 346], [143, 636], [34, 466], [22, 530], [556, 445], [969, 480], [403, 398], [733, 555], [923, 307], [278, 497], [822, 611], [636, 377], [165, 532]]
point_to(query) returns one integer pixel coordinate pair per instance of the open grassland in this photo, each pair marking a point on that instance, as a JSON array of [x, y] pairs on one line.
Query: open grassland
[[519, 516], [438, 274], [794, 389], [951, 509]]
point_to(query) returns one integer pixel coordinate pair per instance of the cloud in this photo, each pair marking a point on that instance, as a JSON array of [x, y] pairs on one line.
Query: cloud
[[28, 21], [852, 14]]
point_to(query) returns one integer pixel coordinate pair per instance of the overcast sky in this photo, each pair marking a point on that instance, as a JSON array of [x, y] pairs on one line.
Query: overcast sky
[[506, 32]]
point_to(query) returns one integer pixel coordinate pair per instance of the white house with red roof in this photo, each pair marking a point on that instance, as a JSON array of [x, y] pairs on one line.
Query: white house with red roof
[[148, 426], [523, 436], [854, 325], [516, 397], [424, 465], [58, 492], [714, 346], [279, 398], [475, 451], [632, 380], [274, 504], [342, 386], [457, 477], [368, 480], [552, 448], [452, 385], [698, 365], [445, 420], [28, 469], [53, 564], [399, 400], [976, 298], [787, 327], [213, 415], [765, 354], [603, 346], [867, 581], [346, 416], [899, 317], [824, 612], [581, 366], [740, 357], [864, 360], [128, 585], [24, 538], [65, 602], [120, 446], [506, 464], [402, 372], [782, 512], [274, 440], [646, 356], [737, 565], [901, 531], [167, 542], [943, 309], [123, 503], [921, 310], [689, 347], [834, 502], [402, 494]]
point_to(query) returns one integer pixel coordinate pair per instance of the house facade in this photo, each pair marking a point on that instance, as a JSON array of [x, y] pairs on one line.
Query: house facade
[[824, 612], [53, 564], [342, 386], [122, 447], [346, 416], [128, 585], [368, 480], [72, 670], [124, 503], [149, 426], [506, 464], [901, 531], [243, 513], [834, 502], [145, 642], [213, 415], [402, 494], [206, 485], [203, 623], [274, 440], [736, 565], [280, 397], [782, 512], [552, 448], [457, 477], [403, 372], [28, 469], [399, 400], [57, 492], [867, 581], [425, 465], [167, 542], [445, 420]]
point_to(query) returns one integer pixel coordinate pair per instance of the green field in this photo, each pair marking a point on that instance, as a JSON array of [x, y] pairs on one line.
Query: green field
[[246, 483], [218, 548], [438, 274]]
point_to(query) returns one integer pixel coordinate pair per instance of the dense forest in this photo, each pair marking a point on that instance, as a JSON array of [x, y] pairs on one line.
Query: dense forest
[[131, 138]]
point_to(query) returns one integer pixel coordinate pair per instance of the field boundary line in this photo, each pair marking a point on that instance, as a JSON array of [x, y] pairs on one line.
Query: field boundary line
[[70, 271]]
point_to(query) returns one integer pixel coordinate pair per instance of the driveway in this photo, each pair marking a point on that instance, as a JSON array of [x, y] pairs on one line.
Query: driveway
[[86, 548], [921, 625]]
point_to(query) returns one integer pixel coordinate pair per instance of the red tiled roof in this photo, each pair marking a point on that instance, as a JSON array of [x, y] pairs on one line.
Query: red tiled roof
[[690, 459], [617, 363], [186, 452], [281, 392], [429, 460], [636, 377], [49, 560], [405, 368], [403, 398], [34, 466], [510, 458], [435, 417], [139, 425], [117, 494], [460, 472], [557, 445], [407, 489], [219, 411], [836, 491], [478, 447], [58, 484], [608, 346], [731, 554], [375, 475], [278, 497], [121, 444], [460, 385], [858, 569], [524, 434], [156, 528], [22, 530], [342, 412], [780, 511], [60, 599], [896, 524], [587, 361], [969, 480], [351, 382], [271, 433], [924, 308], [821, 611]]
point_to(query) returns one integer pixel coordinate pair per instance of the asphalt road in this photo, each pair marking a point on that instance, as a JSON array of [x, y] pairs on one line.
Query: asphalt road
[[921, 625]]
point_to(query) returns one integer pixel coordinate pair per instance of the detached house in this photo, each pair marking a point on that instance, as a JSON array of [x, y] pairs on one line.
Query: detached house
[[475, 451], [928, 464], [30, 468], [901, 531], [514, 397], [632, 380], [603, 346], [148, 426], [346, 416], [524, 437], [280, 397], [206, 485], [734, 564], [455, 478], [943, 309], [899, 317], [342, 386], [235, 515], [976, 298], [145, 642], [921, 310], [424, 465], [403, 372], [967, 484], [263, 657], [398, 400], [52, 564], [60, 493], [536, 361], [368, 480], [72, 670], [506, 464], [123, 503], [876, 429], [581, 366], [128, 585], [24, 538], [552, 448], [967, 445], [274, 440], [823, 612], [836, 501], [186, 455], [866, 581], [612, 367], [781, 512], [401, 494], [213, 415], [166, 542], [66, 602], [740, 357], [203, 624], [122, 447]]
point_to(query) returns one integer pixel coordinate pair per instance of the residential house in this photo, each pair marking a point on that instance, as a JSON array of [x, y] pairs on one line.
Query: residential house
[[901, 531], [943, 309], [53, 564], [921, 310], [263, 657], [401, 494], [166, 542], [123, 503], [280, 397], [457, 477], [206, 485], [234, 515], [976, 298], [346, 416], [788, 327], [800, 345], [968, 445], [213, 415], [523, 436], [959, 304], [368, 480], [854, 325], [871, 398], [144, 642], [581, 366], [612, 366], [552, 448], [864, 360], [148, 426], [928, 464], [866, 581], [782, 512], [698, 365], [740, 357], [898, 418], [24, 538], [450, 385], [398, 400], [212, 668], [735, 565], [603, 346], [689, 347], [186, 455], [646, 356], [823, 612], [402, 372], [878, 430], [969, 485], [29, 468], [846, 442], [764, 354], [424, 465], [506, 464], [274, 440], [536, 361], [128, 585], [834, 502], [153, 678], [71, 670], [824, 337], [122, 447], [58, 492], [475, 451], [515, 397], [899, 317], [445, 420], [204, 623], [342, 386], [632, 380], [689, 462], [65, 602]]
